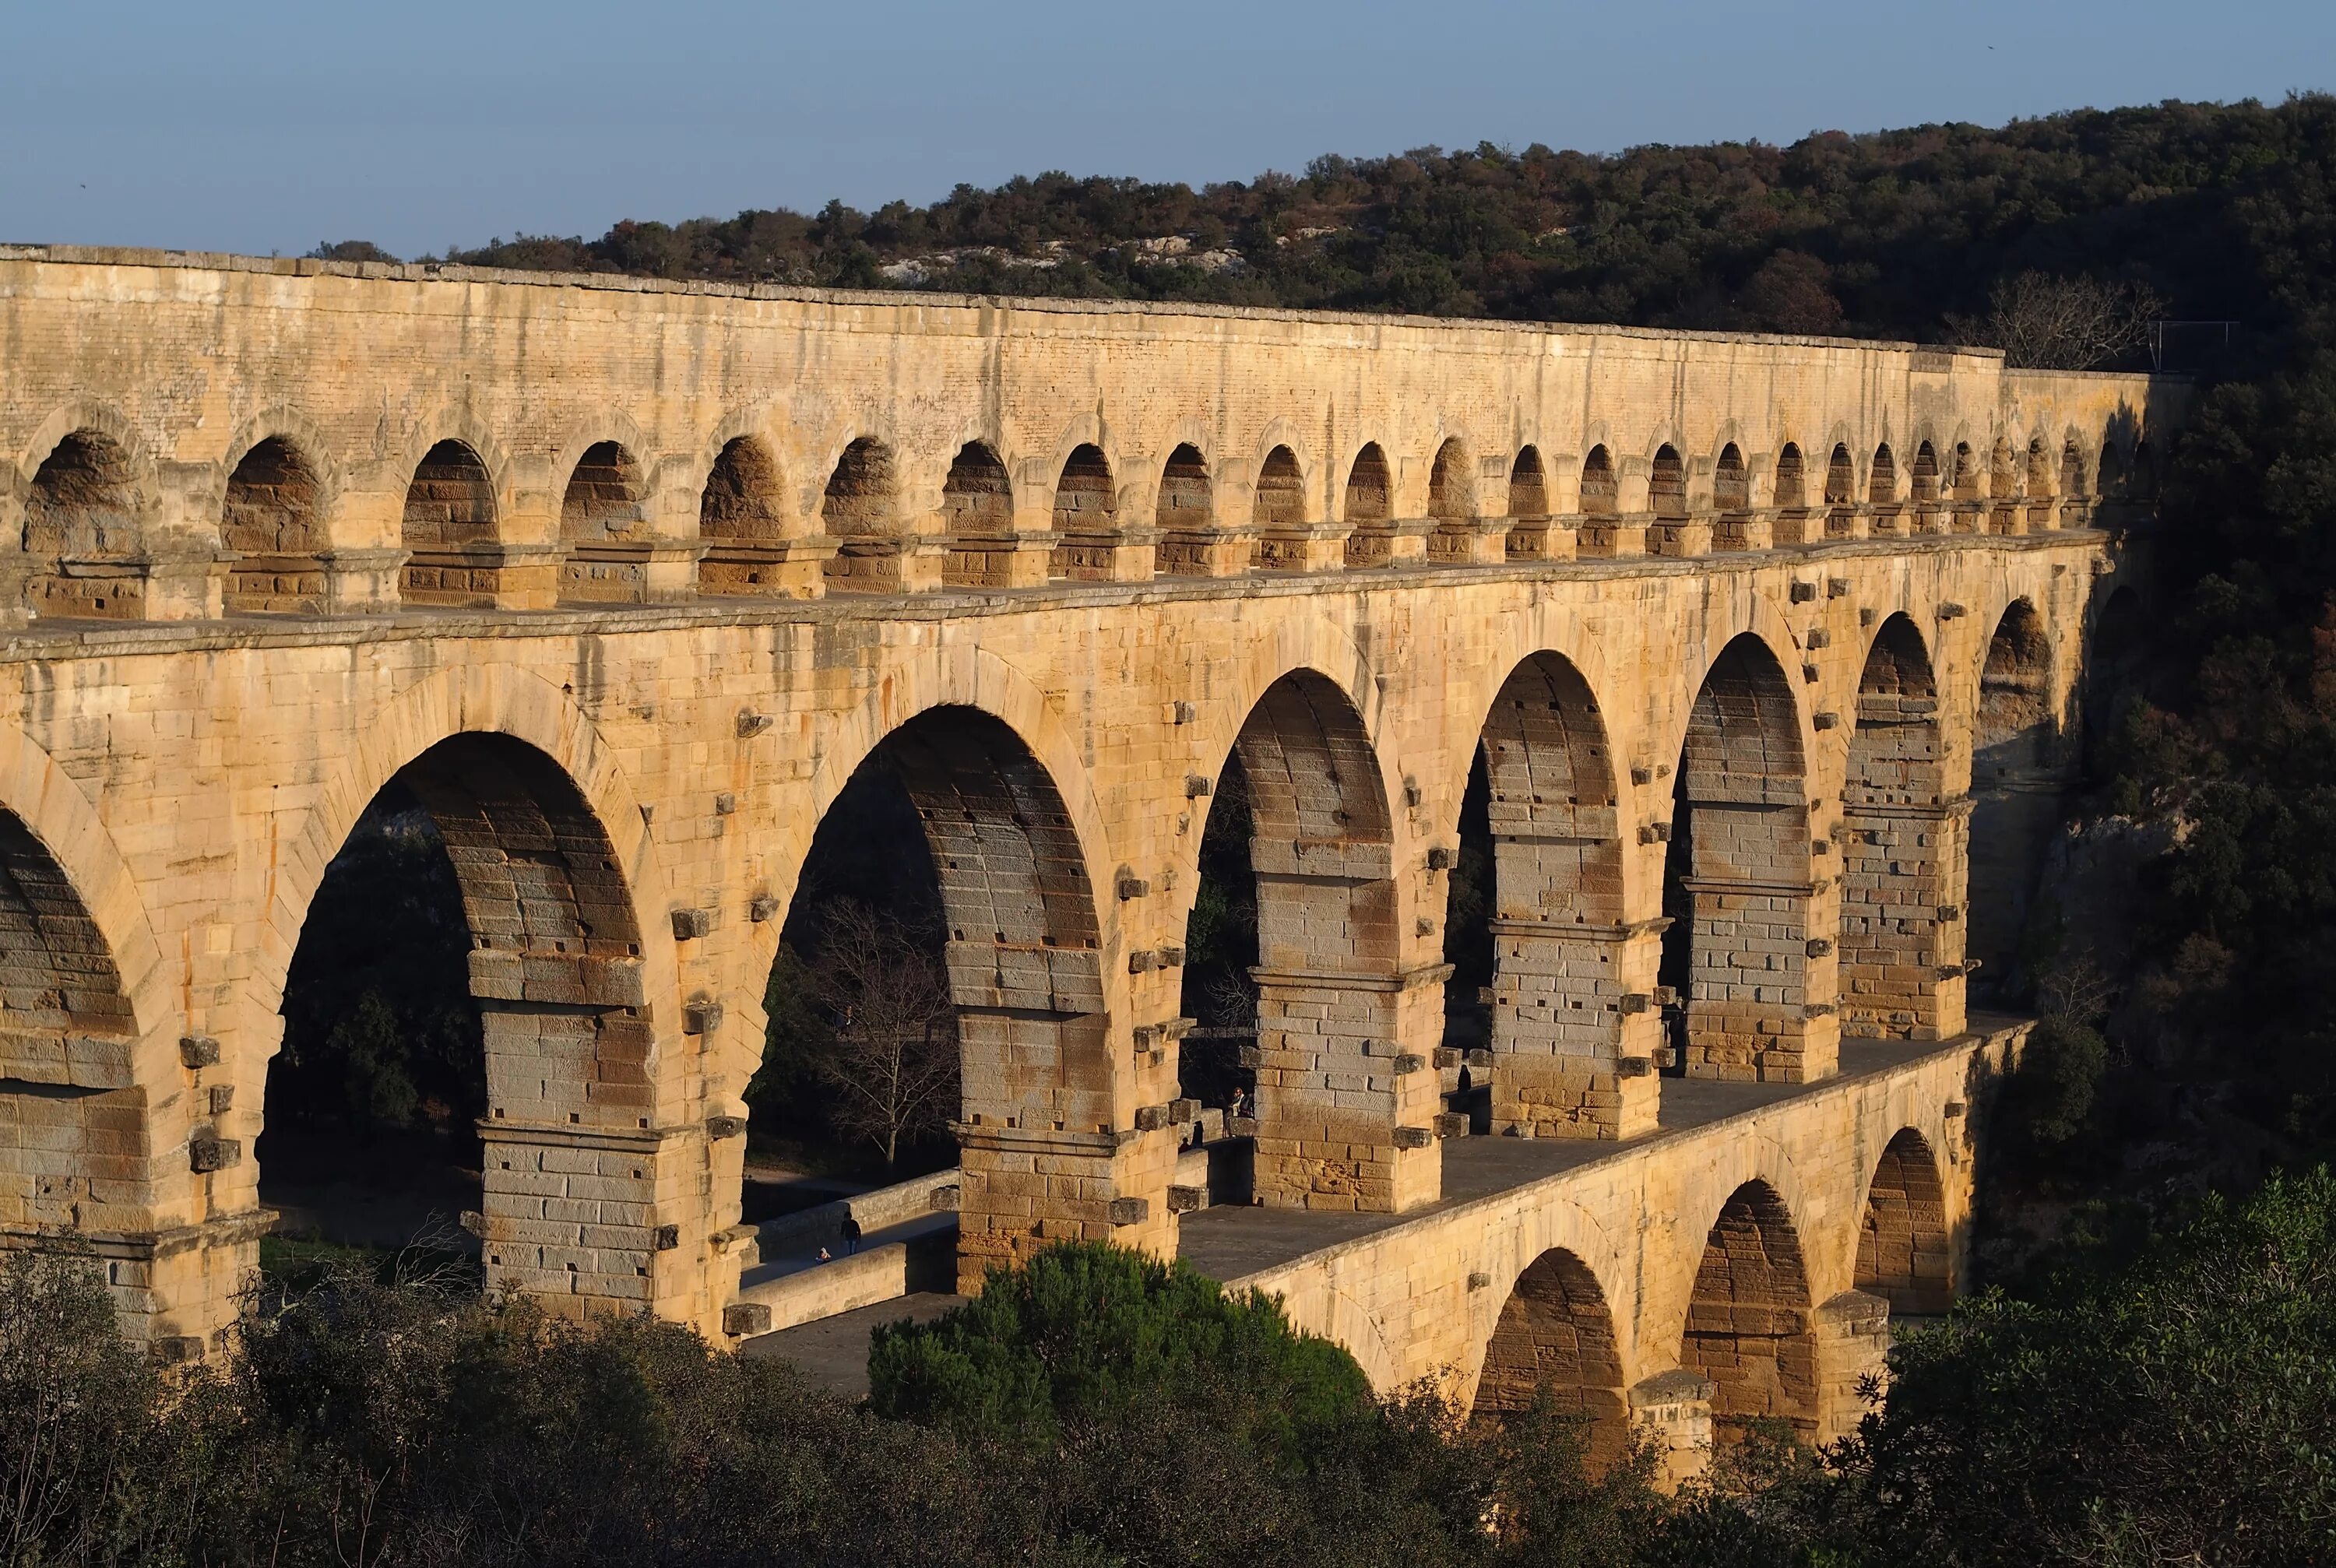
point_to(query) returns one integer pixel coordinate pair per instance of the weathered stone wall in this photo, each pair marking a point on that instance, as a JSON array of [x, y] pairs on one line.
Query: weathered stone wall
[[631, 828]]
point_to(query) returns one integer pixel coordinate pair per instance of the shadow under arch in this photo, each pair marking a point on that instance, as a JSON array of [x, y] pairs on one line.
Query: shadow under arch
[[1749, 1325], [1548, 936], [1899, 934], [517, 902], [1904, 1253], [1018, 956], [2017, 784], [1320, 834], [1556, 1331], [1750, 1000]]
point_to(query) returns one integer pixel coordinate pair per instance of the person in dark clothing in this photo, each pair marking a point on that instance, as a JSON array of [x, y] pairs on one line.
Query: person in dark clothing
[[851, 1234]]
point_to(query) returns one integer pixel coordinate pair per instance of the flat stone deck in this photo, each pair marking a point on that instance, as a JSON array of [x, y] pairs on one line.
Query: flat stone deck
[[1234, 1242]]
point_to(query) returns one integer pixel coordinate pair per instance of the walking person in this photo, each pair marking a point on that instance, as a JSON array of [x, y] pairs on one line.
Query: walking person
[[851, 1234]]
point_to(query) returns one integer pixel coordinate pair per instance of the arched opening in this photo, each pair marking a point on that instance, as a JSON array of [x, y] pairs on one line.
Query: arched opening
[[81, 533], [1567, 1060], [1752, 1000], [939, 973], [600, 523], [1748, 1325], [1528, 536], [2039, 485], [1452, 503], [1556, 1332], [1792, 478], [1018, 949], [740, 517], [2144, 482], [449, 529], [1731, 482], [2003, 488], [1881, 490], [978, 516], [1667, 485], [2074, 491], [73, 1138], [1966, 473], [1370, 502], [1903, 1250], [1086, 517], [1926, 472], [1186, 515], [465, 1020], [1330, 998], [1900, 854], [861, 511], [1278, 512], [2016, 789], [1600, 493], [1840, 493], [270, 523]]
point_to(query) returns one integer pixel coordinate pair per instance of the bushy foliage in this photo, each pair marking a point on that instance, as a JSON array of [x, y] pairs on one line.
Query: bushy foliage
[[1885, 233]]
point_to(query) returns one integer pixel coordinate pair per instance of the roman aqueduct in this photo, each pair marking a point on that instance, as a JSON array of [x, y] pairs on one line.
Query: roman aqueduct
[[1772, 650]]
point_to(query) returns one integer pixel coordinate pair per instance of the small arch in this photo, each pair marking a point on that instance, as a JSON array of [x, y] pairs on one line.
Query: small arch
[[1085, 501], [1528, 485], [741, 521], [1187, 503], [1748, 1318], [1600, 492], [448, 520], [600, 523], [269, 519], [1556, 1331], [2039, 470], [2002, 472], [1667, 484], [978, 516], [1731, 482], [82, 531], [1903, 1249], [1277, 506], [861, 509], [1185, 514], [1085, 520], [1370, 504], [2144, 470], [1840, 477], [2072, 471], [1965, 482], [1452, 485], [1792, 477], [862, 491], [1881, 483], [1926, 472]]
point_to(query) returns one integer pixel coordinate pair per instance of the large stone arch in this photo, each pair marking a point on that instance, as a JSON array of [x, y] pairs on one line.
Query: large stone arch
[[1743, 951], [572, 975], [2017, 778], [1016, 836], [1572, 1057], [91, 1074], [1905, 1252], [1557, 1330], [1901, 949], [1344, 1116], [1750, 1323]]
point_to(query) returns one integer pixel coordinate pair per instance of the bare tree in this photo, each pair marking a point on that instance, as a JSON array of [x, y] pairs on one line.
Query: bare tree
[[895, 1062], [2046, 322]]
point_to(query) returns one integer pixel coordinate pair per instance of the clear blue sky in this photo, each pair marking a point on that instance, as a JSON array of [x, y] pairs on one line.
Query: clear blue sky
[[255, 125]]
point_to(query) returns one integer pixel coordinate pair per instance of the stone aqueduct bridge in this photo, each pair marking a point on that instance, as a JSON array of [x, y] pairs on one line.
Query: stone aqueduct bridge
[[623, 581]]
